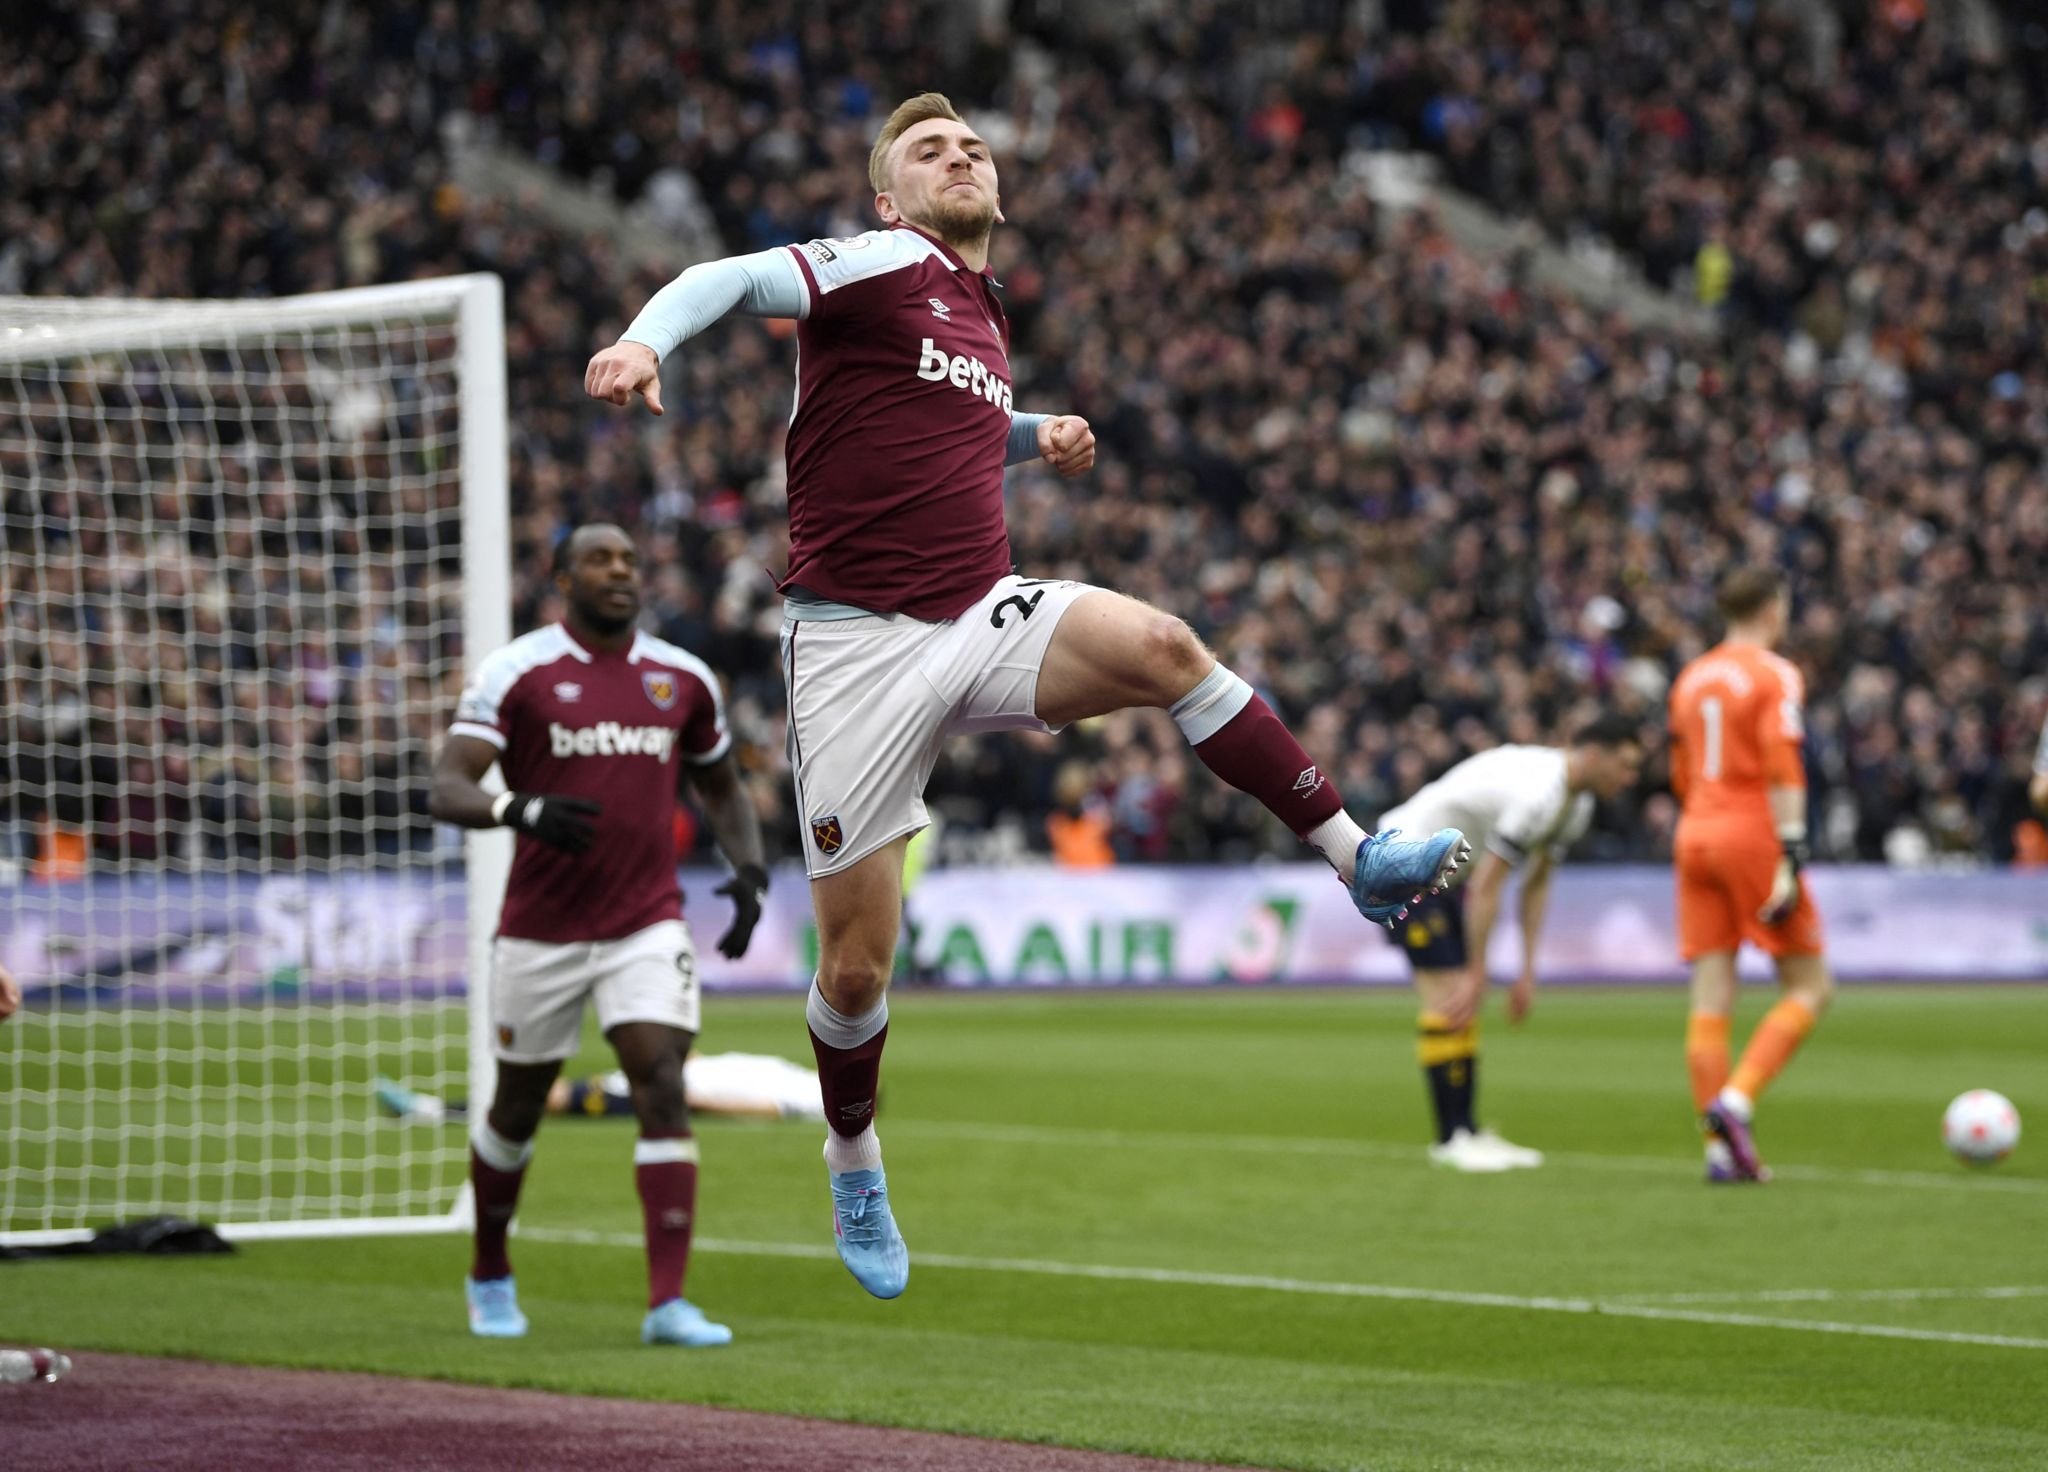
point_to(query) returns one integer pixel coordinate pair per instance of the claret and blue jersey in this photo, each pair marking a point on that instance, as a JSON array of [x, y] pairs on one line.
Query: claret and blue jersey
[[901, 426], [608, 726]]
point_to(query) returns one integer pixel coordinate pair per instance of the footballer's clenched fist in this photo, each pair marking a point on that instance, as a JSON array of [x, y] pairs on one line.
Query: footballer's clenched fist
[[623, 370]]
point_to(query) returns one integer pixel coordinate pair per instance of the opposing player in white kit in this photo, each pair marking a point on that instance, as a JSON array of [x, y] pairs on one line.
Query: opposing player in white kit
[[905, 623], [596, 727], [1521, 805]]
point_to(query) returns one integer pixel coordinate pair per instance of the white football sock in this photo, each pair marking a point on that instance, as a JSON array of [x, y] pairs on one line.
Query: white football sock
[[1214, 702], [1337, 839], [496, 1151], [860, 1152], [838, 1030], [1738, 1104]]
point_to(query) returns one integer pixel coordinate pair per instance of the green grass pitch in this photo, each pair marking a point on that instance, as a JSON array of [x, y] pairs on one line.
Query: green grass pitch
[[1201, 1224]]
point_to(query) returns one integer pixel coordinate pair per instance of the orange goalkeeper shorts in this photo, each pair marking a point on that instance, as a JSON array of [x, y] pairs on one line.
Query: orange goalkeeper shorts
[[1724, 879]]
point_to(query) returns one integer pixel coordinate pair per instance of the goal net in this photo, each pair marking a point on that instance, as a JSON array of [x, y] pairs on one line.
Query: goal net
[[245, 551]]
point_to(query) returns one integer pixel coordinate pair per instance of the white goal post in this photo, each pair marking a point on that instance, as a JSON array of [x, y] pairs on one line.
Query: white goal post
[[248, 551]]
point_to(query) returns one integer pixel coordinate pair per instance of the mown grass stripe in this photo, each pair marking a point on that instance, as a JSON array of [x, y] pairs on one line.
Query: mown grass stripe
[[1258, 1282]]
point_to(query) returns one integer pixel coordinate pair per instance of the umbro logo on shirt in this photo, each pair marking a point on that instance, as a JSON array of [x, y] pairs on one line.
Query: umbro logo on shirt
[[940, 310], [568, 692]]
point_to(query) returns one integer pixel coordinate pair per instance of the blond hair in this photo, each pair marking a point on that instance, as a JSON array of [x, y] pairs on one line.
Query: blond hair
[[922, 108]]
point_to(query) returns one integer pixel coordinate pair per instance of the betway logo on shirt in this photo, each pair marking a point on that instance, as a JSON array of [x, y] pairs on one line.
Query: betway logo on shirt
[[609, 738], [935, 365]]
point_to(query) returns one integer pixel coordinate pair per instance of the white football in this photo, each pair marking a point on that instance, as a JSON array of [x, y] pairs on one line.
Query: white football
[[1981, 1127]]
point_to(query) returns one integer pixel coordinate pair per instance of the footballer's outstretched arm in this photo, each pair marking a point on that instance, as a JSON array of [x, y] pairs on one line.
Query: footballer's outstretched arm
[[764, 284], [458, 797], [729, 808], [768, 283]]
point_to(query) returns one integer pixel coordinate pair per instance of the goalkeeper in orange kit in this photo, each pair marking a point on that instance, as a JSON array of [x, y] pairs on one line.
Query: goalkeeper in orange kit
[[1736, 733]]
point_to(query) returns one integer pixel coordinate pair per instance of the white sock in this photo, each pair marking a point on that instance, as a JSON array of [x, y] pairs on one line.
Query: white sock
[[862, 1152], [496, 1151], [1738, 1104], [835, 1028], [1214, 702], [1337, 839], [1718, 1154]]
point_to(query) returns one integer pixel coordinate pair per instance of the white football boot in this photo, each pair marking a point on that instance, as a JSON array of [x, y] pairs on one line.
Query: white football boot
[[1519, 1157], [1465, 1151]]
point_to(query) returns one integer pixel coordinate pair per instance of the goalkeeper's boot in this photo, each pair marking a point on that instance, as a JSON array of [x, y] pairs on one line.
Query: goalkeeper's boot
[[680, 1321], [1724, 1125], [494, 1309], [1390, 872], [865, 1231]]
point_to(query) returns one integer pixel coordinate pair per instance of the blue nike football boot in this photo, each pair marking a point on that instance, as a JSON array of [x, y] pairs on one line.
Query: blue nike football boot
[[1391, 873]]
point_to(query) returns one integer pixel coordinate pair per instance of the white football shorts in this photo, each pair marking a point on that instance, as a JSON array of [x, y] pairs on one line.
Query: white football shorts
[[538, 988], [872, 699]]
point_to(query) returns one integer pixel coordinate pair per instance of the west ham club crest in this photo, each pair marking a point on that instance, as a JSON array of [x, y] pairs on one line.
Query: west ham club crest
[[828, 835], [660, 686]]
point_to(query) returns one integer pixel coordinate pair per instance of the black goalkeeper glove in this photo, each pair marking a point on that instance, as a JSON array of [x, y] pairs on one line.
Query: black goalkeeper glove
[[568, 823], [1784, 897], [748, 883]]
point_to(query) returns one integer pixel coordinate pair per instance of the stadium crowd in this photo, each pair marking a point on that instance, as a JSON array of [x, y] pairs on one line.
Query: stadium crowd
[[1422, 505]]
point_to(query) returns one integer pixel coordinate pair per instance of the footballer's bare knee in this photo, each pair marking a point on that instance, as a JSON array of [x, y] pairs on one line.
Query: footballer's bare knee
[[852, 984], [653, 1068], [859, 911], [517, 1119], [1713, 983], [1807, 979], [658, 1099], [1174, 657], [521, 1098], [1435, 988], [1114, 653]]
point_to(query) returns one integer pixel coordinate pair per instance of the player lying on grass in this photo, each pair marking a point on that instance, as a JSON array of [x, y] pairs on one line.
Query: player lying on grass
[[1517, 804], [905, 622], [1736, 735], [596, 727], [749, 1085]]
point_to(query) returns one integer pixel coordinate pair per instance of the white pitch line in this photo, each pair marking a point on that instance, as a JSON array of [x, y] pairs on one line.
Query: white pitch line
[[1257, 1282], [1837, 1295], [1379, 1150]]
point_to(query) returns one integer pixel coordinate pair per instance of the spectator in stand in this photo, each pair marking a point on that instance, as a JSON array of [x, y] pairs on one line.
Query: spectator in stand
[[1079, 825]]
